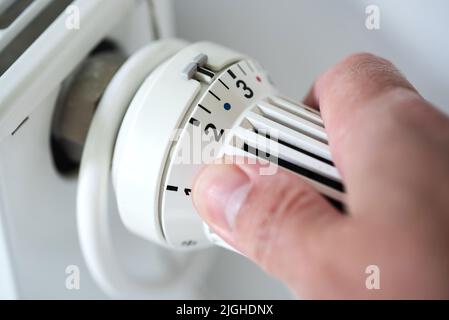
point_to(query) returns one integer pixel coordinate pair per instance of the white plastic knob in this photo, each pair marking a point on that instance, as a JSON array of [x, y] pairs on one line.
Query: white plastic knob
[[208, 98]]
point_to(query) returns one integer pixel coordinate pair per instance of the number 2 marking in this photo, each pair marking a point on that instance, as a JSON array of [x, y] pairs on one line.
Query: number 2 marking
[[217, 134]]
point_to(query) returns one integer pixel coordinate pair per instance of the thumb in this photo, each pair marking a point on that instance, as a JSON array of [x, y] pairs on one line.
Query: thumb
[[279, 221]]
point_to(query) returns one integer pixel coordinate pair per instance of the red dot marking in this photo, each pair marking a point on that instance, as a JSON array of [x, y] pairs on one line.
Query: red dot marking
[[259, 79]]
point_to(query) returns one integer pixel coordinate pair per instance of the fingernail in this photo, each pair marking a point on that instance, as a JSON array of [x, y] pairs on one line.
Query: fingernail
[[219, 193]]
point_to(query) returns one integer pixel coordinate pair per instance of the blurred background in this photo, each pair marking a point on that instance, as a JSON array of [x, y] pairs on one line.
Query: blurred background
[[295, 40]]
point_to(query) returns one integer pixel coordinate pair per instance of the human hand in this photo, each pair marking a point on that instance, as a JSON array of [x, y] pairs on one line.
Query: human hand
[[391, 148]]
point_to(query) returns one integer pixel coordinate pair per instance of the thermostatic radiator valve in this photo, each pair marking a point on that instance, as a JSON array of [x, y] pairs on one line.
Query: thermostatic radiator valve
[[205, 102], [170, 109]]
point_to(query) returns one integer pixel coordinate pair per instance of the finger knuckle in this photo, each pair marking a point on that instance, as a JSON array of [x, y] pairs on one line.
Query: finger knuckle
[[375, 70]]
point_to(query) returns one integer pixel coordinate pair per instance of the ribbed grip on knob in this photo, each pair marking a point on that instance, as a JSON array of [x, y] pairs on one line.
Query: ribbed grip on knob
[[292, 136]]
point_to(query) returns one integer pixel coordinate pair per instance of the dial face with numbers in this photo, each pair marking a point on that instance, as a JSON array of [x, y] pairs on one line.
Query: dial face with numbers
[[204, 102], [205, 131]]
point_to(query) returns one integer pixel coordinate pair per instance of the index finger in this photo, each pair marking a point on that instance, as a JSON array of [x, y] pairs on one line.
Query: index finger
[[376, 123]]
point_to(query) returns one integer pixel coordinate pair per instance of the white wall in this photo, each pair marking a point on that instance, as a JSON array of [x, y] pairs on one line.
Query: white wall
[[297, 40]]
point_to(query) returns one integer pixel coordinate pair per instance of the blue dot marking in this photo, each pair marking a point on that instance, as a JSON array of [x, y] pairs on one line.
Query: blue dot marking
[[227, 106]]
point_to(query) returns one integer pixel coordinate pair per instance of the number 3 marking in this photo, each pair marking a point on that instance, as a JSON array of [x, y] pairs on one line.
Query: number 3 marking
[[249, 93]]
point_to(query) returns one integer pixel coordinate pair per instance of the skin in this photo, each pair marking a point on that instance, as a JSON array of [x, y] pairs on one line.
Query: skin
[[391, 147]]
